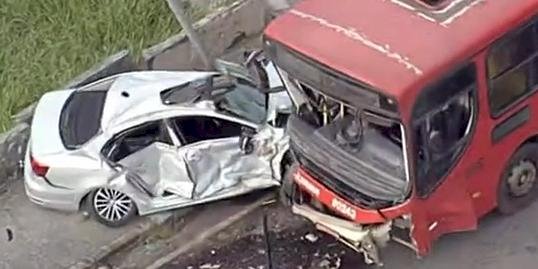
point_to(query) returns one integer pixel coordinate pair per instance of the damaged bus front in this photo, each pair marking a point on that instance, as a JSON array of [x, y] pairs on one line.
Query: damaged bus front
[[348, 140], [407, 129]]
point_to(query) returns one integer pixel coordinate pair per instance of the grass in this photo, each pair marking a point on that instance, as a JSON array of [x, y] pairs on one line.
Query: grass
[[45, 43]]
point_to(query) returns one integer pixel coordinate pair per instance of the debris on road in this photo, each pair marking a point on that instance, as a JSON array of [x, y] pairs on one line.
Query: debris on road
[[9, 234], [311, 237], [330, 262], [210, 266], [269, 202], [244, 245]]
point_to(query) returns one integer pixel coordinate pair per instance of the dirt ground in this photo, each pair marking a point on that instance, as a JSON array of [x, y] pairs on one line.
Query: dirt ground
[[500, 242]]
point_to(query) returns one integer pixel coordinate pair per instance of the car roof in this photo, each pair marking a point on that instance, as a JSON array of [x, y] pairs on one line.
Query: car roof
[[395, 45], [135, 94]]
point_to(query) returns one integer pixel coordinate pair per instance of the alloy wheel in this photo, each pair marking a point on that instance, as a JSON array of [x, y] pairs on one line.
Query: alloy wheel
[[112, 205]]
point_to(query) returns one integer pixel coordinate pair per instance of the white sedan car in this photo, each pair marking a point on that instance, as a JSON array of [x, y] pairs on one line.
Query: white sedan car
[[143, 142]]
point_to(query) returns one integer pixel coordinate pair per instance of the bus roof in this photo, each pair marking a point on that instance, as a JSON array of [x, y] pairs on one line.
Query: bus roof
[[395, 45]]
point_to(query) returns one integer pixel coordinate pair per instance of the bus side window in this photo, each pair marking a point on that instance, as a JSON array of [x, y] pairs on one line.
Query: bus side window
[[512, 67], [443, 131]]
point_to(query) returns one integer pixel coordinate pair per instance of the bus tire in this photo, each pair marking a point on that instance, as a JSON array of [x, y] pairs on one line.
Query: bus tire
[[287, 187], [518, 186]]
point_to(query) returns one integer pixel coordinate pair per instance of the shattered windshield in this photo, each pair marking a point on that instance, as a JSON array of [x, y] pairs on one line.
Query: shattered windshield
[[363, 141], [244, 101], [367, 160]]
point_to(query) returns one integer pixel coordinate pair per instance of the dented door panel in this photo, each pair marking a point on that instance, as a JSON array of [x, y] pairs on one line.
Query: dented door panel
[[161, 170], [220, 164], [447, 210], [162, 177]]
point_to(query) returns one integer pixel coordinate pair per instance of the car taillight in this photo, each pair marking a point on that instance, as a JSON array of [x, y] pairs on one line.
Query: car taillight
[[38, 168]]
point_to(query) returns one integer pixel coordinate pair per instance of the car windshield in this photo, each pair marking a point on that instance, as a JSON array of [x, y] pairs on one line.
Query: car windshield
[[244, 101]]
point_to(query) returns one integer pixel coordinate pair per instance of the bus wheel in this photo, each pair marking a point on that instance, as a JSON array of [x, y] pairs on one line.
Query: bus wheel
[[288, 188], [518, 187]]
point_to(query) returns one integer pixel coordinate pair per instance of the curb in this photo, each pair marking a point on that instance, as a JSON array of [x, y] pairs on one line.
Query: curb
[[141, 231], [211, 232], [117, 63]]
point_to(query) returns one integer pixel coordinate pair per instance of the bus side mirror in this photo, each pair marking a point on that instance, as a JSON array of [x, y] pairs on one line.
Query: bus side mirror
[[435, 142]]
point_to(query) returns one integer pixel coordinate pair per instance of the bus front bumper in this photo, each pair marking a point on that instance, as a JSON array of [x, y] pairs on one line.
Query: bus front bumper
[[365, 239]]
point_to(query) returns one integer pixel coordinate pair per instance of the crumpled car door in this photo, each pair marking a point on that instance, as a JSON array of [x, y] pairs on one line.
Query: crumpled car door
[[218, 165], [160, 169]]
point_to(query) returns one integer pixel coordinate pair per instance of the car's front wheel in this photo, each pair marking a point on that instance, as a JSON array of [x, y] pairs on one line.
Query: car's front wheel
[[112, 207]]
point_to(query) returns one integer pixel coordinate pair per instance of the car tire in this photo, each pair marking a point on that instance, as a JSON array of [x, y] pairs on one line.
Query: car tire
[[518, 186], [287, 188], [111, 207]]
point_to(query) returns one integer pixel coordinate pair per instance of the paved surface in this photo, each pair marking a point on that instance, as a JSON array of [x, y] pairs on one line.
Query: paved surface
[[501, 242], [47, 239], [203, 222]]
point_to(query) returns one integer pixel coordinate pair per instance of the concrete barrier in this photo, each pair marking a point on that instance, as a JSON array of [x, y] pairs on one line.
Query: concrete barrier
[[112, 65], [12, 149], [207, 4], [220, 31]]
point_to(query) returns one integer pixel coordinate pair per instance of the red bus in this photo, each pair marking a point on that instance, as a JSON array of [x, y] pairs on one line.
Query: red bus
[[414, 118]]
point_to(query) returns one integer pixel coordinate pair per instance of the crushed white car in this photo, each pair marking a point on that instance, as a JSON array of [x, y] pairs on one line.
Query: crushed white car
[[149, 141]]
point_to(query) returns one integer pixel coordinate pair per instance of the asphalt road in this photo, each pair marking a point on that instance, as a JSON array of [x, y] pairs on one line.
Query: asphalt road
[[46, 239], [501, 242]]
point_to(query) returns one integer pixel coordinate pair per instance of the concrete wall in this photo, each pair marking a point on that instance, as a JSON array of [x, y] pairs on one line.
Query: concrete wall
[[223, 32], [12, 148], [219, 32], [227, 29], [204, 4]]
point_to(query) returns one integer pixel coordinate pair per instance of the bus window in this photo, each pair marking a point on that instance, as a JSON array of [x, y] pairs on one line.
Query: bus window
[[512, 65], [443, 132]]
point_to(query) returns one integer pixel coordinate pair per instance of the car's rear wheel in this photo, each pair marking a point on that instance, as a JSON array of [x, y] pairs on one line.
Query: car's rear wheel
[[519, 184], [112, 207]]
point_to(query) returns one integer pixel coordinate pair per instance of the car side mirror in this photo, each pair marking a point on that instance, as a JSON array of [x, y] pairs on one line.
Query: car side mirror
[[245, 140], [254, 64], [435, 142]]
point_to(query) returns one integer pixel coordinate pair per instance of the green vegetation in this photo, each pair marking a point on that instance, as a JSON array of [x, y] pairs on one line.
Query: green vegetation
[[45, 43]]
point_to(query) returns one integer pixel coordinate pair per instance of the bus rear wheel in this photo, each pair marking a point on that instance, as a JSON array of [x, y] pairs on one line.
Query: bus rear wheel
[[518, 187]]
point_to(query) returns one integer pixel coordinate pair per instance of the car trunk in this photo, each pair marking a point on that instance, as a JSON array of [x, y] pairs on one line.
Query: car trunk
[[45, 134], [65, 120]]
